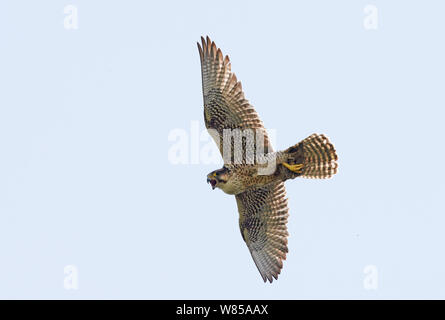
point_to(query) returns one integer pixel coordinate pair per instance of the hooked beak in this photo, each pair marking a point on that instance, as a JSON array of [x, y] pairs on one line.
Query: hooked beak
[[212, 182]]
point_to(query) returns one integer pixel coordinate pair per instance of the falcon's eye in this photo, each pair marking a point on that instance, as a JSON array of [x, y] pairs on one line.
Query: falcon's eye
[[222, 171], [217, 173]]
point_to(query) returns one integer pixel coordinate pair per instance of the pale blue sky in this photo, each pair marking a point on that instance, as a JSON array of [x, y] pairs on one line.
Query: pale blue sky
[[85, 178]]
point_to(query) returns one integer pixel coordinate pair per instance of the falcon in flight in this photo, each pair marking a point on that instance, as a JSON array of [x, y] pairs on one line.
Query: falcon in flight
[[252, 171]]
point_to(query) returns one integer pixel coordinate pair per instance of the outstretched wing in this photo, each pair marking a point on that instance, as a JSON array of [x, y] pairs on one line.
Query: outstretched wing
[[263, 214], [224, 104]]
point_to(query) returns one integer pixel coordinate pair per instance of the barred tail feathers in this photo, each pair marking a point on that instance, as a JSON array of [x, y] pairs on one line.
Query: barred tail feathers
[[314, 157]]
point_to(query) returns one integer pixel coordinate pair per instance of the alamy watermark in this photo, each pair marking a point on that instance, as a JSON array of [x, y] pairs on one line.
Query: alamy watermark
[[71, 20], [71, 279], [371, 20], [371, 280], [238, 146]]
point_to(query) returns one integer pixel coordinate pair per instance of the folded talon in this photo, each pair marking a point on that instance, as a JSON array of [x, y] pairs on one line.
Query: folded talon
[[297, 168]]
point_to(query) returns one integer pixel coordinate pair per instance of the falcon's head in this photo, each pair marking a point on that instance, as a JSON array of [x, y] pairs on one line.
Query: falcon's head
[[218, 178]]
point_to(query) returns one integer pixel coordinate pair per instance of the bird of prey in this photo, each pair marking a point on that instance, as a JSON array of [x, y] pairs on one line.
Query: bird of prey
[[252, 171]]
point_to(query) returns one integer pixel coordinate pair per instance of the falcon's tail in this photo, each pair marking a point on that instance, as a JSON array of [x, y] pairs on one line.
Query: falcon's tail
[[314, 157]]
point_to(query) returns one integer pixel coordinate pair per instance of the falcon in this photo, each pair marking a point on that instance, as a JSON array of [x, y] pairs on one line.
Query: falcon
[[252, 171]]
